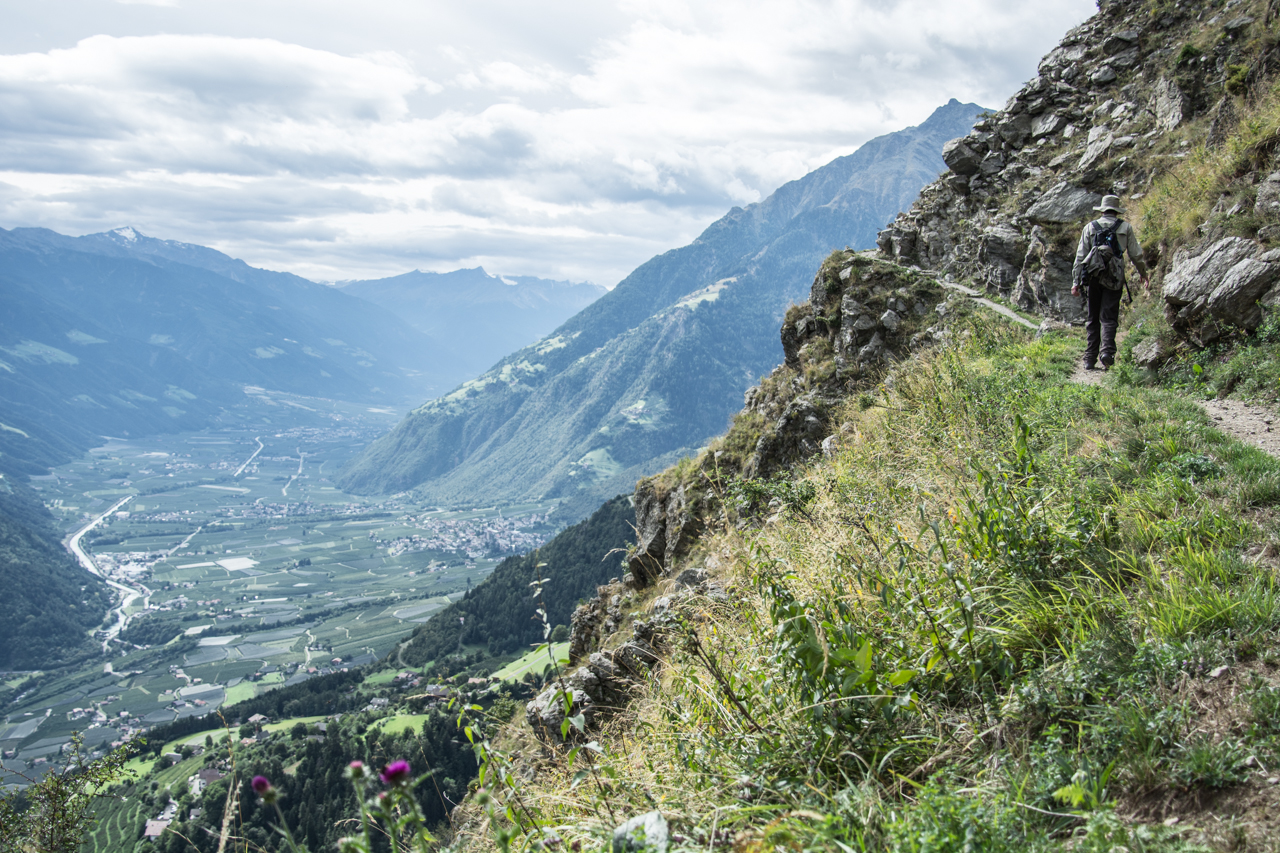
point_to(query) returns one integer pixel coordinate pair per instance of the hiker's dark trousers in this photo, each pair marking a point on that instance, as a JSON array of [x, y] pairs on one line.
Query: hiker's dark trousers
[[1100, 328]]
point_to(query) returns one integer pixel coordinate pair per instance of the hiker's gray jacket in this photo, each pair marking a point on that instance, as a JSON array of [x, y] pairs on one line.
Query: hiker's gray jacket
[[1127, 240]]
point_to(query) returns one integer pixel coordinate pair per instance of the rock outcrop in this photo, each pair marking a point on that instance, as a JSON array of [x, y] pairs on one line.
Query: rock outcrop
[[1007, 214], [1224, 282], [862, 314], [666, 523], [600, 687]]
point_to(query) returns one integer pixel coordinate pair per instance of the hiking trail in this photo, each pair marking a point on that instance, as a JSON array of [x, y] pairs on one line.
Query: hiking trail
[[1251, 423]]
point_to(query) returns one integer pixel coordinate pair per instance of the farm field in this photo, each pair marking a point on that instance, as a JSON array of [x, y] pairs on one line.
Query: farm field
[[248, 569]]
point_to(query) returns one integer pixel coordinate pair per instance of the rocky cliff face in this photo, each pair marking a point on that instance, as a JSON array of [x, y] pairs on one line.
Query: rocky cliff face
[[1117, 104]]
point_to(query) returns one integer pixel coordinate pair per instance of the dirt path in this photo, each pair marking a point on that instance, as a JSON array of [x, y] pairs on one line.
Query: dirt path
[[1247, 422], [1251, 424]]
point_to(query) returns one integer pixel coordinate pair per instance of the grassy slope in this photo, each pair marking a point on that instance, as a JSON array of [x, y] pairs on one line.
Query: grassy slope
[[998, 624]]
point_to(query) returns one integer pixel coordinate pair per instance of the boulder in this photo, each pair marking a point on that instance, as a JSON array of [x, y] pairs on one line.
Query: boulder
[[960, 156], [1238, 25], [890, 321], [1000, 251], [1150, 354], [1061, 58], [1125, 59], [1171, 104], [1044, 282], [1193, 276], [1047, 124], [1103, 75], [1235, 299], [1015, 130], [1268, 200], [872, 351], [646, 833], [1097, 149], [1064, 203], [992, 164], [1119, 42]]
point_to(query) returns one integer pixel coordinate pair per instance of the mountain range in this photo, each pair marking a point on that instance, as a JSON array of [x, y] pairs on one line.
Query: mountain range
[[122, 334], [657, 366], [474, 316]]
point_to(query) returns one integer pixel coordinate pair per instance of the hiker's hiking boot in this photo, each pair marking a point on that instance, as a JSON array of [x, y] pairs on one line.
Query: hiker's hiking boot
[[1106, 365], [1090, 366]]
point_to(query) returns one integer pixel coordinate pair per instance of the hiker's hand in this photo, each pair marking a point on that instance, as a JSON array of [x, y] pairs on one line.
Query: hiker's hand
[[1075, 290], [1146, 285]]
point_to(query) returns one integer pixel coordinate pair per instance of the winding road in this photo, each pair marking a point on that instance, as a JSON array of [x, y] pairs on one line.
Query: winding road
[[128, 594]]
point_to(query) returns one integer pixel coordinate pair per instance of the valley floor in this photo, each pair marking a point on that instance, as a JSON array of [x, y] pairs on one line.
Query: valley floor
[[240, 567]]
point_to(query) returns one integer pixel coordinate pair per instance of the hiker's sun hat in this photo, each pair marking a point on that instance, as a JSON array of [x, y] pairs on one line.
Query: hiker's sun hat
[[1110, 204]]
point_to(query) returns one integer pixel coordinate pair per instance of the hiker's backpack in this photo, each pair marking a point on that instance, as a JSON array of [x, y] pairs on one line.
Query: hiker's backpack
[[1105, 261]]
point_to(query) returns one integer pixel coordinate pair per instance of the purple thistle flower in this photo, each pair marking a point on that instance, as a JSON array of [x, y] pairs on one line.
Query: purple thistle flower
[[262, 787], [355, 770], [395, 773]]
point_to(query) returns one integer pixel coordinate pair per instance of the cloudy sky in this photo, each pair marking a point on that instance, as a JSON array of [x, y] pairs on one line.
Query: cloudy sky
[[561, 139]]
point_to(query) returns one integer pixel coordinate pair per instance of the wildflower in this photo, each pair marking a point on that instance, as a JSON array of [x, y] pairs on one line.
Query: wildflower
[[355, 770], [262, 787], [395, 773]]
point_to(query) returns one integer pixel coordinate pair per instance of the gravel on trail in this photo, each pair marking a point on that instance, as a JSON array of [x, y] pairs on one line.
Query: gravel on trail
[[1248, 422]]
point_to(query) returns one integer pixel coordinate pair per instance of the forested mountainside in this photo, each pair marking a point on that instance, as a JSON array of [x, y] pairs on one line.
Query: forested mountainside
[[500, 614], [655, 367], [477, 317], [50, 604]]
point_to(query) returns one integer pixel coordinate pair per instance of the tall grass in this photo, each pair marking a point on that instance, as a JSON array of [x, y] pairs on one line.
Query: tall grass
[[955, 635], [1184, 196]]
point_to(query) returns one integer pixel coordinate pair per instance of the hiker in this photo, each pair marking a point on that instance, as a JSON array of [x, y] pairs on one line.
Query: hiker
[[1099, 274]]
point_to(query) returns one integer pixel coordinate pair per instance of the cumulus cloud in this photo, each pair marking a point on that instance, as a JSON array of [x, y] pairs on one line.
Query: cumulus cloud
[[574, 160]]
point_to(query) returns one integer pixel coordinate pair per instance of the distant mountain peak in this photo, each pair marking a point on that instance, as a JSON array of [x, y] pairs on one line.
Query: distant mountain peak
[[127, 233]]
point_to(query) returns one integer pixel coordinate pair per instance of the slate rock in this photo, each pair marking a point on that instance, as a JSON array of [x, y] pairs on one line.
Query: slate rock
[[1119, 41], [1044, 282], [1103, 75], [1064, 203], [1047, 124], [960, 156], [1096, 151], [1062, 58], [1015, 130], [1235, 299], [1193, 276], [1237, 25], [1171, 105], [872, 351], [1150, 354], [1268, 201], [992, 164], [1127, 59], [1000, 251]]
